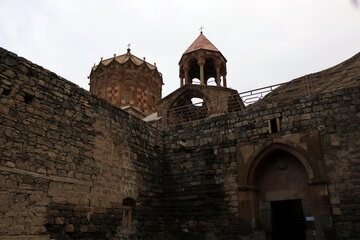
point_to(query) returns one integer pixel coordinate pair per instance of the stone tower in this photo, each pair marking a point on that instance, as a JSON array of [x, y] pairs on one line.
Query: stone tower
[[202, 60], [202, 72], [128, 82]]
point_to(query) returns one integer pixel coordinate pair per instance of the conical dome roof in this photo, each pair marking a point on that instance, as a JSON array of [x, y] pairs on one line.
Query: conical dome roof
[[201, 42]]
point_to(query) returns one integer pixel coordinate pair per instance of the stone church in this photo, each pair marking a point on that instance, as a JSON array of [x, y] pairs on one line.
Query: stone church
[[123, 162]]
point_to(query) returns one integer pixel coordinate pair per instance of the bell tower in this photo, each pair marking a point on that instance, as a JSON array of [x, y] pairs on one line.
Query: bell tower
[[203, 62], [203, 91]]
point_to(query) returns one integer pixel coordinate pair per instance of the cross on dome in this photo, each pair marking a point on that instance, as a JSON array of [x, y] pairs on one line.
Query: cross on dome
[[201, 29]]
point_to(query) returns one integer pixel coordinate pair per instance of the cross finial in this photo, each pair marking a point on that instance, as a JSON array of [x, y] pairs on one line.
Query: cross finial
[[128, 49], [201, 29]]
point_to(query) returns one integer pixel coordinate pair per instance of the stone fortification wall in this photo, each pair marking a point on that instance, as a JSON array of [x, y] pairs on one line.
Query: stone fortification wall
[[69, 159], [209, 161]]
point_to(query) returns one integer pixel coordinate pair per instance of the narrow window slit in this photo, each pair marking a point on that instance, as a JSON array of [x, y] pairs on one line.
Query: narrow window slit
[[274, 125]]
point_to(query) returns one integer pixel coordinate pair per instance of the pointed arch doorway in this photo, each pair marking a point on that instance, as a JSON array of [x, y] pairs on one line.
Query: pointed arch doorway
[[281, 195], [282, 183]]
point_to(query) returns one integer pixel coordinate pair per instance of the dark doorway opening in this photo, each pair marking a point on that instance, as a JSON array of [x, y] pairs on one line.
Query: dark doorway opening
[[287, 220]]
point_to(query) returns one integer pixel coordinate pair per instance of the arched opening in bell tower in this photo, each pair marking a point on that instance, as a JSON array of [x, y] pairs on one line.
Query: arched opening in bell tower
[[209, 71], [194, 72]]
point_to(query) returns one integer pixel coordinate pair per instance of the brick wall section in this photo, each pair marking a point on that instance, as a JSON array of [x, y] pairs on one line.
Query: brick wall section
[[69, 158], [201, 196]]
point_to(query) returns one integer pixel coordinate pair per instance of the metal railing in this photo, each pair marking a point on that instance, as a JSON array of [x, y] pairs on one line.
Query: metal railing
[[214, 107], [252, 96]]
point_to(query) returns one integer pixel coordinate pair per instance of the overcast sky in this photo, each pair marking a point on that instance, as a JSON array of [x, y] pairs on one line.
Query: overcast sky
[[265, 42]]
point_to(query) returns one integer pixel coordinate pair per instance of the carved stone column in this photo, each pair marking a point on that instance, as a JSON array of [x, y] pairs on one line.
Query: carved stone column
[[201, 62], [181, 75], [186, 71], [202, 81], [217, 79]]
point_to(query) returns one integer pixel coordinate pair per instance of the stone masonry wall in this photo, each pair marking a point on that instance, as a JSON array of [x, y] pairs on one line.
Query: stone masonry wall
[[69, 159], [201, 196]]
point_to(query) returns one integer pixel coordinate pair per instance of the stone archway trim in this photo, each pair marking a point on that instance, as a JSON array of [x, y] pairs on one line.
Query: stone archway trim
[[296, 150]]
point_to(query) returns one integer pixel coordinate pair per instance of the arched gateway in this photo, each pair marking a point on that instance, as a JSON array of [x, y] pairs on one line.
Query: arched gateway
[[279, 192]]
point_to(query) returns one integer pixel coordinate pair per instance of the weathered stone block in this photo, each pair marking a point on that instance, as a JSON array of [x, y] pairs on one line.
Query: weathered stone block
[[10, 164], [55, 189], [70, 228]]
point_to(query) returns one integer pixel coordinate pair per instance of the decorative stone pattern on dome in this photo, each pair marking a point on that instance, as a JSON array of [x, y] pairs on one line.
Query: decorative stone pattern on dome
[[127, 81]]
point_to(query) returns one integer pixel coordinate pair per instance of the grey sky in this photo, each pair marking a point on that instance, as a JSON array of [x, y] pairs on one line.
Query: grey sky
[[264, 41]]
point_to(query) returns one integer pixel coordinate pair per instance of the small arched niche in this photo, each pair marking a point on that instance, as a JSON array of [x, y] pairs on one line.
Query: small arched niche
[[128, 214]]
